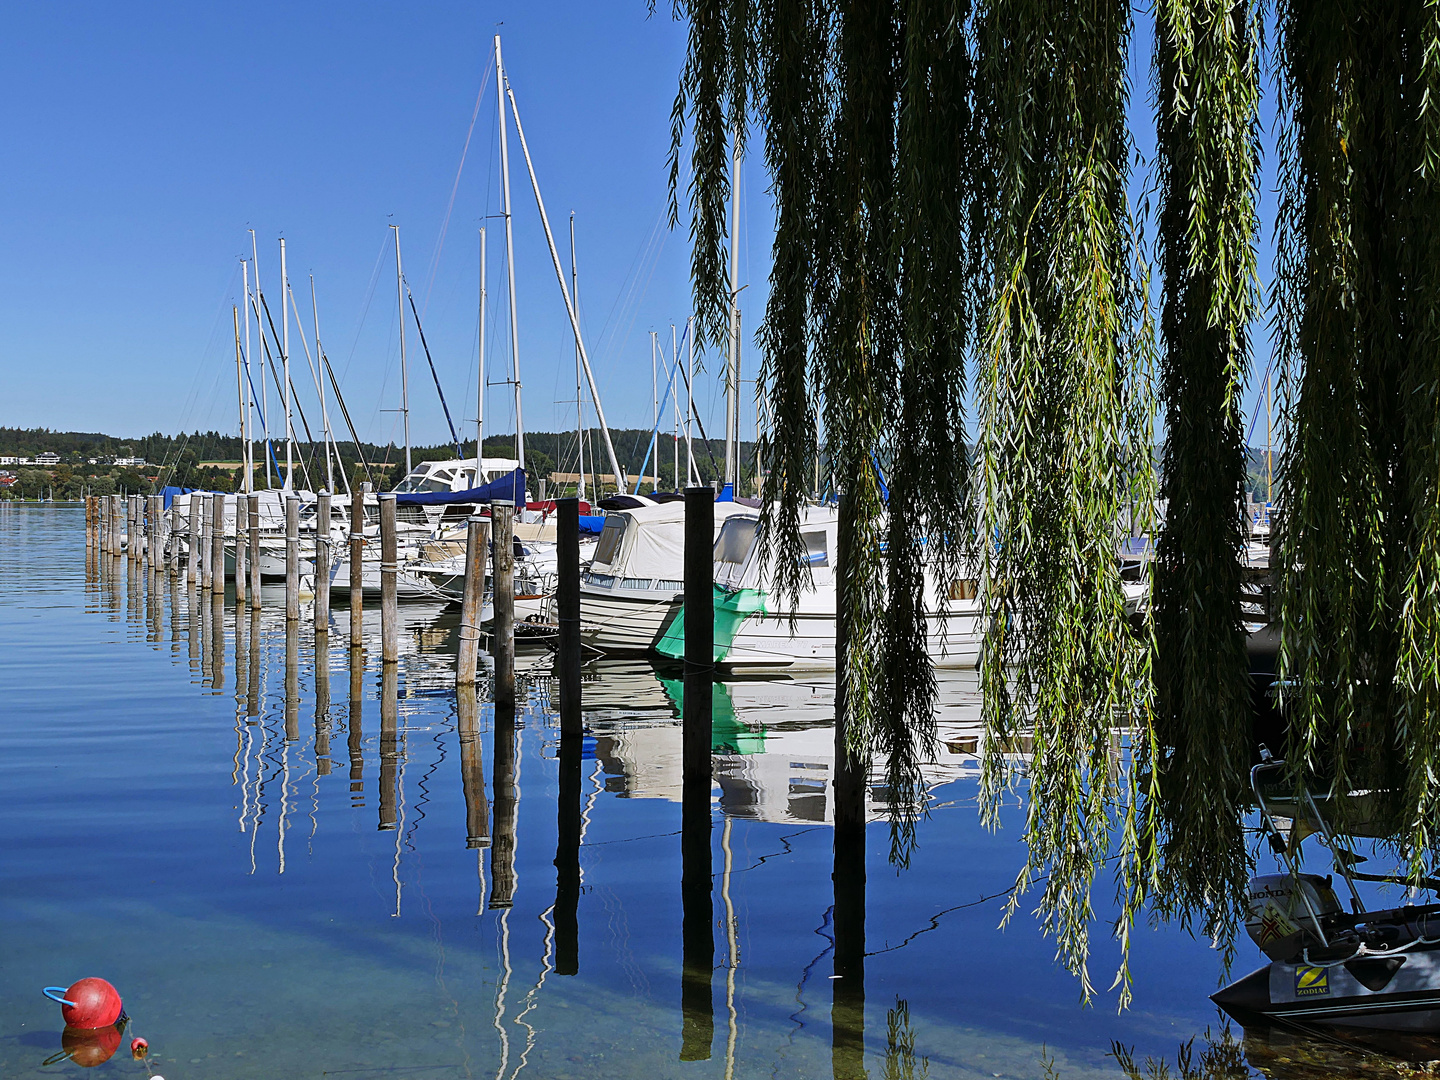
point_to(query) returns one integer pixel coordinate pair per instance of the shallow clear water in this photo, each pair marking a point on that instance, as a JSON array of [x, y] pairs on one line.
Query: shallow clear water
[[282, 886]]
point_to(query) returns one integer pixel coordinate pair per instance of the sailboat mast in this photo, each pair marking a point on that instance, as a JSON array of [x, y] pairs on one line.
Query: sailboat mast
[[264, 387], [691, 476], [248, 457], [287, 389], [328, 436], [509, 248], [404, 370], [732, 367], [674, 411], [579, 392], [240, 395], [564, 292], [480, 392]]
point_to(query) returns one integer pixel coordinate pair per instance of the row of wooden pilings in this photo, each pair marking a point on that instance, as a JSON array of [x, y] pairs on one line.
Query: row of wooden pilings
[[111, 520]]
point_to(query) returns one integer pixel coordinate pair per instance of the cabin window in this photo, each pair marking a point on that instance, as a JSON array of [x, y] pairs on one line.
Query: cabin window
[[737, 537], [635, 583], [816, 553], [608, 549], [963, 589]]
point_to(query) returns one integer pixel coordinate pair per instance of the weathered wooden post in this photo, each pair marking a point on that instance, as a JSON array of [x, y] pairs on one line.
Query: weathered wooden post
[[567, 603], [132, 544], [292, 558], [192, 541], [322, 564], [206, 567], [389, 556], [252, 521], [357, 557], [242, 551], [172, 539], [155, 542], [848, 874], [696, 888], [102, 521], [502, 523], [477, 535], [217, 544]]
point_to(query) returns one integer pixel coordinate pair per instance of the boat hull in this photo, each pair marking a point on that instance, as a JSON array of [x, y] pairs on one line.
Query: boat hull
[[1407, 1000]]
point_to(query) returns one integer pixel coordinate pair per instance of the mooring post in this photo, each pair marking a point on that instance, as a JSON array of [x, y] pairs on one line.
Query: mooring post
[[696, 886], [389, 557], [101, 520], [322, 563], [217, 544], [567, 604], [477, 536], [292, 558], [502, 518], [357, 556], [192, 540], [155, 546], [252, 522], [172, 540], [242, 551], [847, 1047], [207, 568], [117, 521]]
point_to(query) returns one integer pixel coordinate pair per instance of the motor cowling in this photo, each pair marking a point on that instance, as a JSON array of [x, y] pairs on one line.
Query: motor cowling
[[1281, 910]]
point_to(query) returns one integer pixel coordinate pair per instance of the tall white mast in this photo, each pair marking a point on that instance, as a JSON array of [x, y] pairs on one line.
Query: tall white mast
[[674, 410], [564, 292], [579, 374], [264, 386], [509, 248], [480, 393], [691, 476], [732, 367], [286, 390], [655, 417], [240, 395], [404, 371], [320, 387], [248, 458]]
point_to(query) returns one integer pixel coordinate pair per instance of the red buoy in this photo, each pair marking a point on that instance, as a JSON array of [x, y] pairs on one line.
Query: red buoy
[[93, 1003], [138, 1048]]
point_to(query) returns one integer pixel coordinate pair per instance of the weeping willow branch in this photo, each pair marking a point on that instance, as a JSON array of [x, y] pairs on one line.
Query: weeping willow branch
[[1059, 442], [1207, 96]]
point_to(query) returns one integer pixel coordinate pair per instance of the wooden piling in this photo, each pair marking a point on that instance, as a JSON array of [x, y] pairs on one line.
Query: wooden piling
[[567, 603], [242, 552], [357, 556], [477, 536], [389, 556], [292, 558], [502, 523], [192, 541], [173, 541], [699, 615], [206, 519], [101, 521], [252, 522], [322, 564], [217, 544]]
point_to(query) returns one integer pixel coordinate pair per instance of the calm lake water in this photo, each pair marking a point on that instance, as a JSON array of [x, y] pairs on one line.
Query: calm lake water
[[287, 875]]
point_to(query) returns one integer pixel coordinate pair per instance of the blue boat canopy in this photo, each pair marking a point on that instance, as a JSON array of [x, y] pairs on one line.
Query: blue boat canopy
[[511, 486]]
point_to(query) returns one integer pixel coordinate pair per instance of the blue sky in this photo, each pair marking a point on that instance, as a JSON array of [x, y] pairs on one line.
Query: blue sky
[[144, 141]]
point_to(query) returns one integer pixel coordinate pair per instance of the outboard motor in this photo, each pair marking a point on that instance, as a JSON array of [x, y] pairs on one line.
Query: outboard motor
[[1282, 909]]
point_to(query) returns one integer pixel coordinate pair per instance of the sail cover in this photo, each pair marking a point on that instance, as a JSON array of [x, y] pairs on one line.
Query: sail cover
[[511, 486]]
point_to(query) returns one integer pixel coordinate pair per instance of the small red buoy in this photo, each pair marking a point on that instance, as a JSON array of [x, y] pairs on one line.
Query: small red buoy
[[138, 1048], [89, 1003], [88, 1047]]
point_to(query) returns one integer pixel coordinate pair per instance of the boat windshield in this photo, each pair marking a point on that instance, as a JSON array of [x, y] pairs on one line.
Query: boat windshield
[[737, 537]]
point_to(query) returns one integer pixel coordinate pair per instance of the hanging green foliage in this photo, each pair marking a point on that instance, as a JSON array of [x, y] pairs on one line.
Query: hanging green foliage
[[952, 230], [1207, 99]]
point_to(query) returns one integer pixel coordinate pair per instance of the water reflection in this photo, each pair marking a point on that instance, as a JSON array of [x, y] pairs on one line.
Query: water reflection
[[326, 969]]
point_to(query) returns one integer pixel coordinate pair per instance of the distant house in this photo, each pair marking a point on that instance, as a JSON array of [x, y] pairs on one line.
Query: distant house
[[47, 458], [10, 460], [130, 462]]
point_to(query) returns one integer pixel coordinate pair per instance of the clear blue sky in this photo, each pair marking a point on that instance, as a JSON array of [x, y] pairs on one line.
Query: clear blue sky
[[143, 141]]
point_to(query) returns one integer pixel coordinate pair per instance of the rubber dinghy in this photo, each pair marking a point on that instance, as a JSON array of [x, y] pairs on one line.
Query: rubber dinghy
[[1362, 969]]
